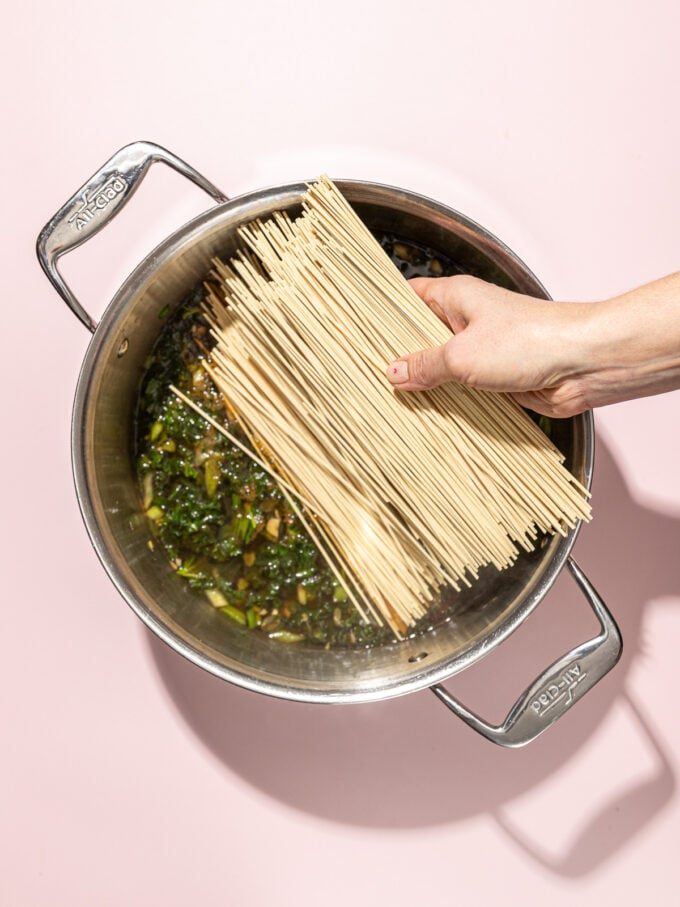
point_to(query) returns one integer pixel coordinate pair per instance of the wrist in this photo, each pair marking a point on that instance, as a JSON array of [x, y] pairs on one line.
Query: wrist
[[573, 337]]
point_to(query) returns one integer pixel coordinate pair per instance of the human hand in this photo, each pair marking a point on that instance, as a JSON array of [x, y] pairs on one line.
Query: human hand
[[556, 358]]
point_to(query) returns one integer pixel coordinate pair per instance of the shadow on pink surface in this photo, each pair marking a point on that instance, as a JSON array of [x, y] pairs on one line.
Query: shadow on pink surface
[[409, 763]]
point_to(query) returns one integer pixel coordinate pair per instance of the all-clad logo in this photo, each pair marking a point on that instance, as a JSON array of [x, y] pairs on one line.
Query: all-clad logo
[[95, 200], [560, 690]]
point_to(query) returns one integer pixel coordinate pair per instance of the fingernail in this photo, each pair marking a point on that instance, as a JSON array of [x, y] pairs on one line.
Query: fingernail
[[397, 373]]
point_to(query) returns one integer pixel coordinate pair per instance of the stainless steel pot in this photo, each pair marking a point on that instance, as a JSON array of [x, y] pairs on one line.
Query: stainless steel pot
[[102, 445]]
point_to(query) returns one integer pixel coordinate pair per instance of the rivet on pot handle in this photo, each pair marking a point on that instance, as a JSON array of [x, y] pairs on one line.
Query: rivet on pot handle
[[559, 687], [100, 199]]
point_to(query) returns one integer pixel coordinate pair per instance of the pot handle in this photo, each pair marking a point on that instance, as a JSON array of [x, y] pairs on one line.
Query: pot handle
[[560, 685], [99, 200]]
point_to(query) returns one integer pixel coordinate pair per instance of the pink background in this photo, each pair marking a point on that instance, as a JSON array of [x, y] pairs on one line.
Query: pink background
[[129, 777]]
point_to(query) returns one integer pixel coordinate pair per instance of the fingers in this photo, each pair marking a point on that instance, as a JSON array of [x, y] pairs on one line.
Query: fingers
[[420, 371], [450, 298], [553, 402], [532, 400], [421, 286]]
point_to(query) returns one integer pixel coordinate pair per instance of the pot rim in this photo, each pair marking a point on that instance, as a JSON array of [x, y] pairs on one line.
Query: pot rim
[[191, 230]]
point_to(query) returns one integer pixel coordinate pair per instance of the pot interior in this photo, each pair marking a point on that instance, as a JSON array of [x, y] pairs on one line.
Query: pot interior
[[103, 449]]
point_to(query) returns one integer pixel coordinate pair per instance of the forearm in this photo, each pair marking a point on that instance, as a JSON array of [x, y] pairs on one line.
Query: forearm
[[632, 344]]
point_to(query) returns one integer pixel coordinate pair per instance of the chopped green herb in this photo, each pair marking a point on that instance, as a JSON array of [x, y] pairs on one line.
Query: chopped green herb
[[545, 424], [339, 594], [235, 614], [286, 636], [212, 476], [216, 599]]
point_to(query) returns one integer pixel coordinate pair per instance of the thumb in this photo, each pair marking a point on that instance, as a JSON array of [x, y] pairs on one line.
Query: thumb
[[422, 370]]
